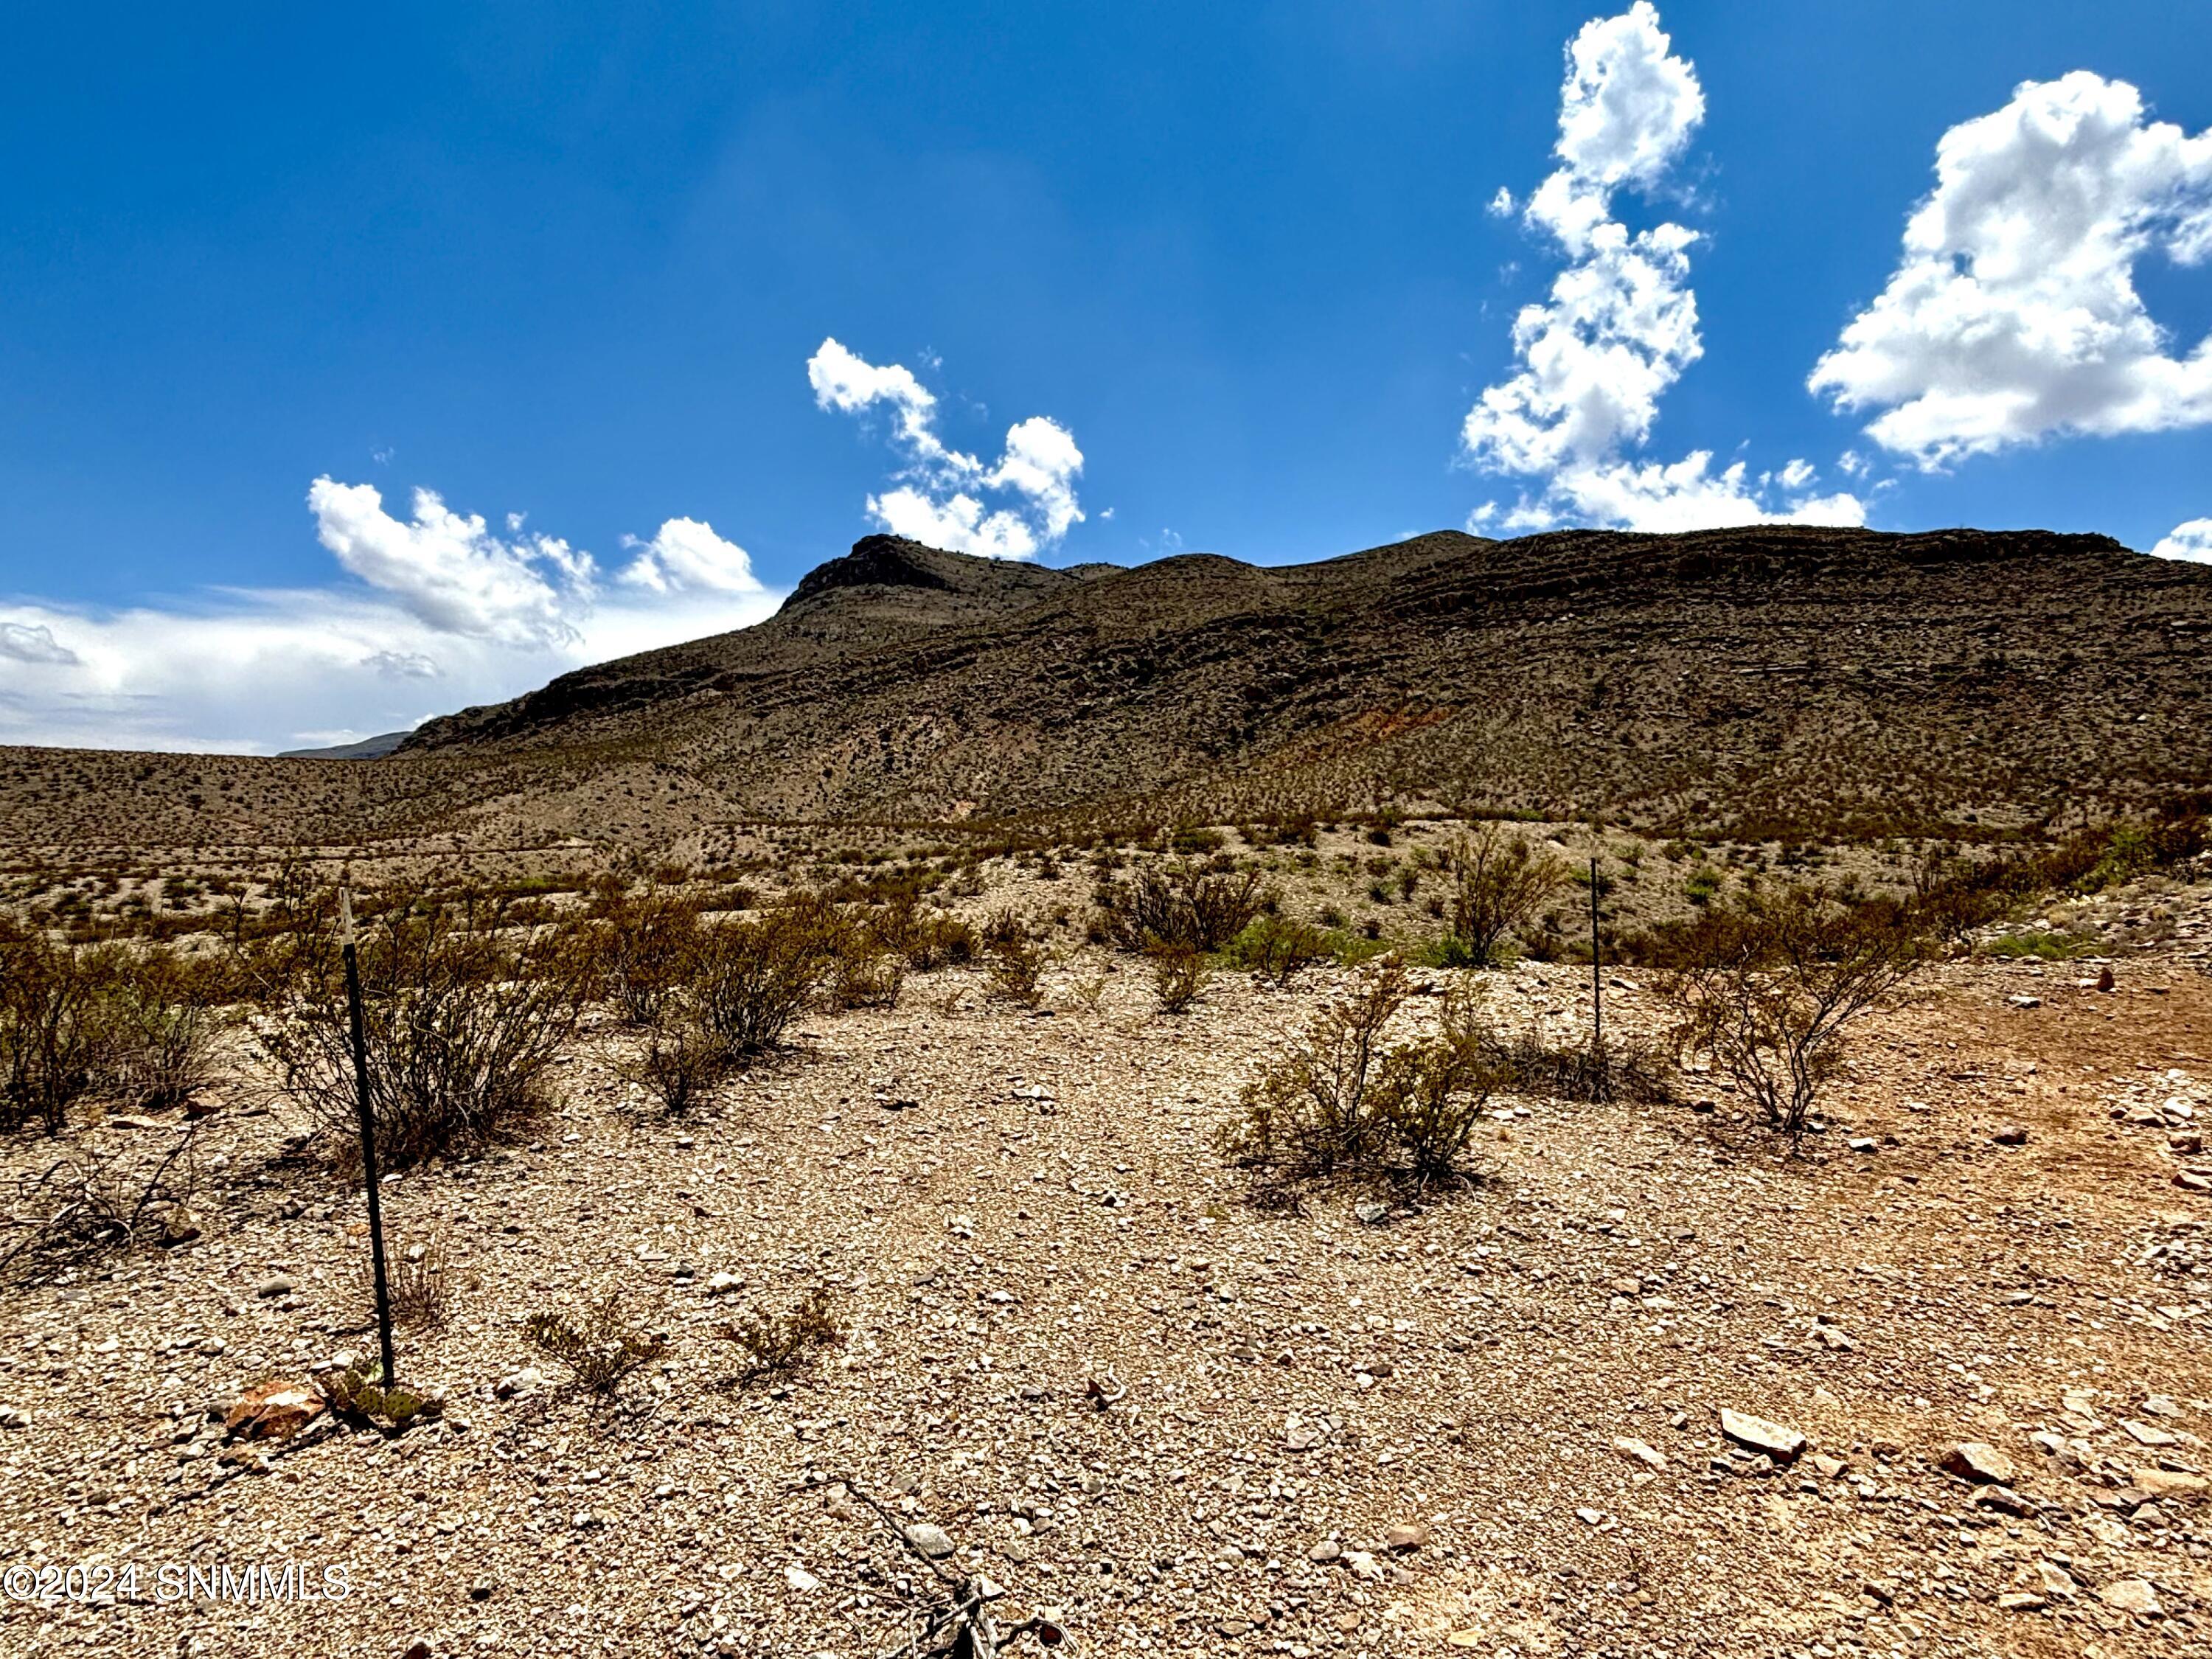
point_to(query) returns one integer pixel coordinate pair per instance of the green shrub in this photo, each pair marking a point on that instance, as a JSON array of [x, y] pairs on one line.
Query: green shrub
[[1341, 1101], [1767, 987], [1179, 974], [775, 1343], [601, 1349], [57, 1036], [1274, 948]]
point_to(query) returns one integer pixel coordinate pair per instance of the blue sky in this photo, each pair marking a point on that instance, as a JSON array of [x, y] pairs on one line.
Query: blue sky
[[1247, 262]]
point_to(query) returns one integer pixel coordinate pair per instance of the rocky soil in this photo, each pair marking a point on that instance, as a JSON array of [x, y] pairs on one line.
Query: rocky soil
[[1936, 1385]]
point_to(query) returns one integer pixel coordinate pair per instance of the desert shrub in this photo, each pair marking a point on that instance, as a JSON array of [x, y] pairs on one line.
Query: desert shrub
[[1617, 1071], [681, 1060], [601, 1349], [1767, 986], [162, 1030], [57, 1028], [864, 975], [1499, 884], [1273, 948], [461, 1029], [418, 1278], [1179, 974], [1188, 905], [648, 951], [775, 1343], [1015, 962], [1342, 1102], [100, 1196], [924, 938], [756, 977]]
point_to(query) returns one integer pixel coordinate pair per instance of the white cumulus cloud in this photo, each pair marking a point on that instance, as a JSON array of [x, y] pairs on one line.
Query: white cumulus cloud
[[940, 494], [1621, 323], [448, 569], [2013, 313], [2191, 541], [445, 613], [686, 555]]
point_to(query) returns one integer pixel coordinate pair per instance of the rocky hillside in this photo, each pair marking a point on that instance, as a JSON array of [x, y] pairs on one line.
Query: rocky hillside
[[1775, 674], [1776, 680]]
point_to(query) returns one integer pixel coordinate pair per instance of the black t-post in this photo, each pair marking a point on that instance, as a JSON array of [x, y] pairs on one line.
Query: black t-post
[[367, 1134], [1597, 984]]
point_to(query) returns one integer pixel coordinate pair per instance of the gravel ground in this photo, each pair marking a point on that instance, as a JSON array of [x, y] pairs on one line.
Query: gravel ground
[[1524, 1380]]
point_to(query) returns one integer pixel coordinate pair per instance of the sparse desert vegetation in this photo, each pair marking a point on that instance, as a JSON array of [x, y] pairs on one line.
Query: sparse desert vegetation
[[1174, 1219]]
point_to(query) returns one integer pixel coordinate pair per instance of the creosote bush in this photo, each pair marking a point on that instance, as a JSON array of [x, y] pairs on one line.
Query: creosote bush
[[1499, 886], [1344, 1101], [1180, 972], [1273, 948], [1016, 963], [131, 1026], [601, 1349], [1189, 903], [462, 1028], [57, 1037], [772, 1344], [1767, 988]]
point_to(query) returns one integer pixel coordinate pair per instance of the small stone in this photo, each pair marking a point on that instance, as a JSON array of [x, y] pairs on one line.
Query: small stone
[[1628, 1446], [274, 1411], [2013, 1135], [417, 1649], [2167, 1483], [2056, 1580], [931, 1540], [2159, 1406], [269, 1288], [1590, 1517], [1304, 1437], [1861, 1144], [528, 1380], [1325, 1551], [1759, 1435], [724, 1284], [11, 1417], [480, 1590], [1405, 1536], [1371, 1213], [2144, 1434], [800, 1580], [2134, 1595], [2021, 1601], [1980, 1462], [1830, 1467], [2003, 1498]]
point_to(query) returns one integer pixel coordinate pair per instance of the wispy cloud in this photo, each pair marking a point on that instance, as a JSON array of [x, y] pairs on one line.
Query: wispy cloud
[[939, 493]]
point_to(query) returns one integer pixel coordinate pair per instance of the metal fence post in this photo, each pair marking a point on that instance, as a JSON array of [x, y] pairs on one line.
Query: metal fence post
[[368, 1134]]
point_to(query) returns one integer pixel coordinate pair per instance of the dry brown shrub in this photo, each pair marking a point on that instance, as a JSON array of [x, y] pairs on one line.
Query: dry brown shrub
[[1499, 886], [1766, 988], [775, 1343]]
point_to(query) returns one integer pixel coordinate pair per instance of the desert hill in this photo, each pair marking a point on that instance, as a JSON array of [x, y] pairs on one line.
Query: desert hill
[[1772, 680]]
